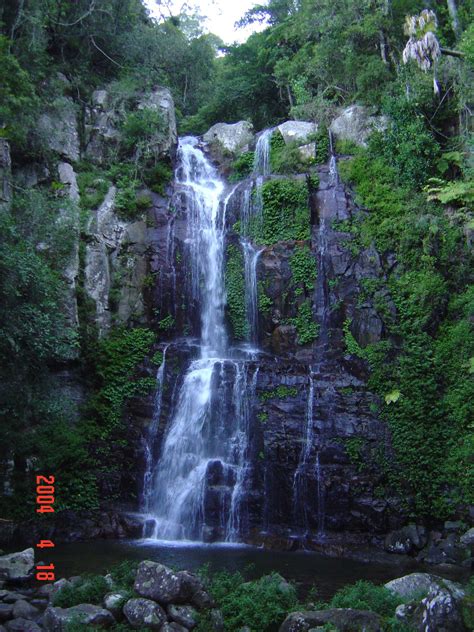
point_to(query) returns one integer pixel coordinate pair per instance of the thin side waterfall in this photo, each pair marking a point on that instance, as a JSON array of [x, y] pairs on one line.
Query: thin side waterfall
[[151, 439], [321, 499], [333, 172], [251, 255], [261, 163], [300, 478]]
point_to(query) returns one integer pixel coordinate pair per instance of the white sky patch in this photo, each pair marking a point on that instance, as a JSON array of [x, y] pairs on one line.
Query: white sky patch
[[221, 16]]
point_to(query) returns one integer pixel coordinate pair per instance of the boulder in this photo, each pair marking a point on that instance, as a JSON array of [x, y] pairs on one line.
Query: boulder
[[144, 613], [440, 608], [172, 627], [233, 138], [58, 128], [158, 582], [184, 615], [406, 540], [57, 619], [356, 123], [297, 131], [467, 539], [344, 619], [113, 601], [22, 625], [6, 611], [24, 610], [17, 566], [193, 591]]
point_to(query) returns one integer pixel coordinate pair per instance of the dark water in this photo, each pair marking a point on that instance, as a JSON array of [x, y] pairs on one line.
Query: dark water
[[304, 568]]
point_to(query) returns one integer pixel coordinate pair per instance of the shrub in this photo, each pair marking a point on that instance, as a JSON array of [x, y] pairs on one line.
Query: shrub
[[235, 290], [364, 595], [242, 166], [91, 590], [260, 604]]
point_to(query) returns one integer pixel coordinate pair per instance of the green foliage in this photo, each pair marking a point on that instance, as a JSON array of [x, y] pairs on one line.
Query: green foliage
[[166, 324], [260, 604], [117, 359], [142, 128], [303, 269], [430, 427], [91, 590], [321, 139], [407, 145], [242, 166], [307, 330], [235, 290], [285, 213], [354, 447], [280, 392], [285, 158], [158, 176], [264, 301], [364, 595], [18, 100]]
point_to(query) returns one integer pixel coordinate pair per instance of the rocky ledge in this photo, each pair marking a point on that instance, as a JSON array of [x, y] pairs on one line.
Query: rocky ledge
[[162, 599]]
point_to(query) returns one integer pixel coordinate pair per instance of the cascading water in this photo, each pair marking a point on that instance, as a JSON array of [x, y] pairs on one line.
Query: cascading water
[[204, 458]]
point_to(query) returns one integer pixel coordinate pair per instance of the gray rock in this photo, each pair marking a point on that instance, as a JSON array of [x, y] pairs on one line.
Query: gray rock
[[158, 582], [17, 566], [58, 128], [70, 271], [344, 619], [413, 585], [297, 131], [5, 174], [114, 602], [355, 124], [405, 540], [440, 609], [160, 99], [184, 615], [11, 597], [22, 625], [24, 610], [217, 620], [230, 137], [57, 619], [467, 539], [6, 611], [193, 591], [100, 98], [144, 612], [172, 627]]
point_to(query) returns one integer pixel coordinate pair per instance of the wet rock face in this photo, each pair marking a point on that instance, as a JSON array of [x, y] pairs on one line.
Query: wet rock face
[[333, 488]]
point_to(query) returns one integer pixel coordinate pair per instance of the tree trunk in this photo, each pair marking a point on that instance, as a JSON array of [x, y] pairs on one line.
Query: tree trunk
[[453, 12]]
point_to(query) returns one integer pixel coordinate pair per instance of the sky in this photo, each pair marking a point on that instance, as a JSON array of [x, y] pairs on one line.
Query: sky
[[221, 16]]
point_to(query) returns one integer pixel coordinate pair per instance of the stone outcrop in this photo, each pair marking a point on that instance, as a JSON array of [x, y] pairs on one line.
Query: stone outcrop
[[436, 603], [58, 128], [57, 619], [355, 123], [107, 113], [296, 131], [343, 619], [233, 138], [5, 174], [17, 566]]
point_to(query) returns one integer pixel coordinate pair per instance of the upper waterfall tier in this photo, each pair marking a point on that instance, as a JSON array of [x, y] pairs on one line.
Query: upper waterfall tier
[[203, 190]]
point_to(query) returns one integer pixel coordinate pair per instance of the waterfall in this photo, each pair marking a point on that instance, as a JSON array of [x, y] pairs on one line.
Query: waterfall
[[333, 172], [261, 163], [203, 466], [300, 478], [151, 439]]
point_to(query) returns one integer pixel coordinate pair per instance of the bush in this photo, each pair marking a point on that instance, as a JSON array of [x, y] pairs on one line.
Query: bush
[[364, 595], [91, 590], [260, 604], [242, 166]]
